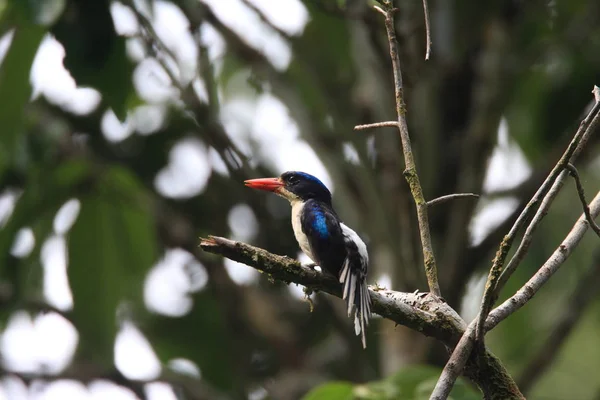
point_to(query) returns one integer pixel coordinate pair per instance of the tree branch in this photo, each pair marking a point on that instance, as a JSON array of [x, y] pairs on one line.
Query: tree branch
[[527, 237], [524, 191], [455, 365], [402, 308], [588, 125], [464, 348], [422, 312], [527, 292], [546, 194], [496, 278], [410, 172]]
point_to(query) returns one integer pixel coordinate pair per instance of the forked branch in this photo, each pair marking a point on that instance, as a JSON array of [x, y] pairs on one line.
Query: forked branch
[[462, 351], [498, 277], [544, 197]]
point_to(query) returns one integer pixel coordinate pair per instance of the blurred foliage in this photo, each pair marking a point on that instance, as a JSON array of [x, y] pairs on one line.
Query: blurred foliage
[[94, 53], [531, 63], [411, 383]]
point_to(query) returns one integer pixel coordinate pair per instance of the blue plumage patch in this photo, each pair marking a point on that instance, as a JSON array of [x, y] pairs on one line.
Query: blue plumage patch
[[317, 220], [320, 224], [310, 178]]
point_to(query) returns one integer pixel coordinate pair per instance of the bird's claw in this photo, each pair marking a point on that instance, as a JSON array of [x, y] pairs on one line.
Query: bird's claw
[[307, 293], [310, 265]]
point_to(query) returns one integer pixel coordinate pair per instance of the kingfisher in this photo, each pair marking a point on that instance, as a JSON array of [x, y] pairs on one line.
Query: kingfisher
[[325, 239]]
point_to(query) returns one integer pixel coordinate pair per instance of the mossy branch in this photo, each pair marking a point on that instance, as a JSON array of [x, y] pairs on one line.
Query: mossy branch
[[419, 311]]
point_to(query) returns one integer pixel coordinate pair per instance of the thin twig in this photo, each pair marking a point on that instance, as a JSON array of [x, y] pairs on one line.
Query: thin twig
[[443, 199], [427, 29], [581, 193], [386, 124], [582, 296], [542, 276], [410, 172]]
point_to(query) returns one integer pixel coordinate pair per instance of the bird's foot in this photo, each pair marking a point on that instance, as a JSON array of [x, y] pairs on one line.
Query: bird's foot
[[310, 265], [307, 293], [377, 288]]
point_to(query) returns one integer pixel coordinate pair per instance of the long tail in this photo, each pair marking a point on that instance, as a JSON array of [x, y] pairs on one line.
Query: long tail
[[356, 294]]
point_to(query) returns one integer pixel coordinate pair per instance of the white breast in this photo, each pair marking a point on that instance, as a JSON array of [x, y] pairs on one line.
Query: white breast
[[297, 225]]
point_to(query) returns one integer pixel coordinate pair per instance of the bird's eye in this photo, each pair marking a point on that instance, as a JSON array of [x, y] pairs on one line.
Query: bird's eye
[[292, 180]]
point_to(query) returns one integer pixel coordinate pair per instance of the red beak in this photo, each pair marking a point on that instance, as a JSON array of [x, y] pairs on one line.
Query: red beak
[[267, 184]]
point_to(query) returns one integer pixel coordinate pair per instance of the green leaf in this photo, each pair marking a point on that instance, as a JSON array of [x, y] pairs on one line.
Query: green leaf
[[408, 379], [331, 391], [412, 383], [94, 54], [44, 193], [417, 382], [15, 85], [111, 246]]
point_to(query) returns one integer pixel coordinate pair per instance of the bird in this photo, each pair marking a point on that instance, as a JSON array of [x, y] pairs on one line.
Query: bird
[[325, 239]]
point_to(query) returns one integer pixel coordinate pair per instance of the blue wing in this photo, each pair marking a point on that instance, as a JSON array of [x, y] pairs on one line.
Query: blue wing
[[322, 228]]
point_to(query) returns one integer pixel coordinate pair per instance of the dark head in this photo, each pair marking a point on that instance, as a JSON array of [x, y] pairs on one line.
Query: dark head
[[293, 185]]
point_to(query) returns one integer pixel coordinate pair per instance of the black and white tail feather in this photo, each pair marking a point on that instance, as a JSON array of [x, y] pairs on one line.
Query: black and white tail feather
[[353, 277]]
